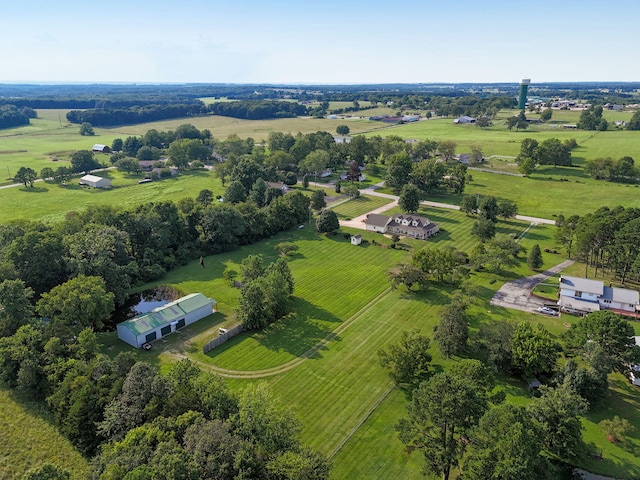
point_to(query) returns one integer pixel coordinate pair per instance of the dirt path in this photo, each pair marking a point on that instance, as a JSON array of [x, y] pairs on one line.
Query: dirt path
[[515, 294]]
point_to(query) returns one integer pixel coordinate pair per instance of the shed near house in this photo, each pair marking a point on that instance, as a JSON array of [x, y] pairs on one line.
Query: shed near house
[[99, 148], [356, 239], [166, 319], [95, 181]]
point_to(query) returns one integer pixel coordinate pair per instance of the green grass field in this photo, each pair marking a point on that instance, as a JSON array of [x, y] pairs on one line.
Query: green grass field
[[359, 206], [343, 305], [323, 357], [28, 439], [47, 201]]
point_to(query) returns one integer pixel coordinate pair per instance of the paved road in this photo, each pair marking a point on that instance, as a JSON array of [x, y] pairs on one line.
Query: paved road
[[371, 190], [515, 294]]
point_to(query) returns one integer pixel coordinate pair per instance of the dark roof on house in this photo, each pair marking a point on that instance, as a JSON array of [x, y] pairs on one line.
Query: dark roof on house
[[376, 220]]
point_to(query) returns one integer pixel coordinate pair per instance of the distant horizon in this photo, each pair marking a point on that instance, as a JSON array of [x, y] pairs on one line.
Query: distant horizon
[[306, 84], [286, 42]]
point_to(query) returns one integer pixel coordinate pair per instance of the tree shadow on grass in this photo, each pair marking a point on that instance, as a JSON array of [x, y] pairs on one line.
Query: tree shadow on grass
[[301, 330], [34, 189]]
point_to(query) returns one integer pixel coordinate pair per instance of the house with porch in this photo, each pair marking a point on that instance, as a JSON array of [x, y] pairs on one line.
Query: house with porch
[[412, 226]]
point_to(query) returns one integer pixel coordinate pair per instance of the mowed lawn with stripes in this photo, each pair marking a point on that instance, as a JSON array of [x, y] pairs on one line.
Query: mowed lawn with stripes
[[359, 206]]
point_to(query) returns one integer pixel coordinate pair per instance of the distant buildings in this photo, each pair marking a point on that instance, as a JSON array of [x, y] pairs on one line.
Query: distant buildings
[[95, 182]]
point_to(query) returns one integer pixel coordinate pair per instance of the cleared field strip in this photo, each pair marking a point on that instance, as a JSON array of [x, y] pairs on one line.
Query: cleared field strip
[[374, 451], [339, 386]]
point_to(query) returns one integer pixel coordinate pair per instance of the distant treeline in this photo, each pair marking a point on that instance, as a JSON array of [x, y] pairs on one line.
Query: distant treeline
[[105, 117], [126, 101], [258, 109], [12, 116]]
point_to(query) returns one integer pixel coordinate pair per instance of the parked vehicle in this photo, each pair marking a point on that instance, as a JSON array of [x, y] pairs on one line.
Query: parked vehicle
[[548, 311]]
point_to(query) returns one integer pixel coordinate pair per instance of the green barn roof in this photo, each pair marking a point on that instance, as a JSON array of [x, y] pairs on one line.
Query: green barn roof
[[166, 314]]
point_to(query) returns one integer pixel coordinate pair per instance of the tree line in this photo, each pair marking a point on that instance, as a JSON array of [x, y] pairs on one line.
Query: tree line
[[13, 116], [606, 240], [107, 117], [258, 109]]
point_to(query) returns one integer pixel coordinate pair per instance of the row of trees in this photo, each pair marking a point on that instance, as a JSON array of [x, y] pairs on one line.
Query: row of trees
[[12, 116], [258, 109], [549, 152], [620, 170], [107, 117], [604, 239], [127, 247]]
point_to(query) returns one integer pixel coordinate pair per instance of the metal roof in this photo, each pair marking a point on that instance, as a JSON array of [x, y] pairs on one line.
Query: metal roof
[[578, 304], [166, 314], [582, 285], [92, 178]]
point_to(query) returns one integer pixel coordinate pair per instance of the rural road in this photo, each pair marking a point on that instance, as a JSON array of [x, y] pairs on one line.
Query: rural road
[[515, 294], [358, 222]]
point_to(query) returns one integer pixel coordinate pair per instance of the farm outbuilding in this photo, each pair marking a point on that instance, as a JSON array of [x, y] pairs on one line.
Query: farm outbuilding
[[99, 148], [356, 239], [95, 181], [166, 319]]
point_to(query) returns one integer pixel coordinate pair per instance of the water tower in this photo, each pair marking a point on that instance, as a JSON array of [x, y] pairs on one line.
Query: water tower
[[522, 99]]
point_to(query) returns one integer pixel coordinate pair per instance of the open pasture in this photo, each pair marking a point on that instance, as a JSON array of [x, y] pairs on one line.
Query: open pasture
[[50, 202], [222, 127], [29, 439], [544, 195]]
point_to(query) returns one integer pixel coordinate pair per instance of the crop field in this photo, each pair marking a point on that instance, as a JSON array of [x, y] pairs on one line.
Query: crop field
[[28, 439]]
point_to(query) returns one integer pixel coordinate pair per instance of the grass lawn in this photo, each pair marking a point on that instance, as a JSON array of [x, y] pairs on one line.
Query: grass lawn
[[359, 206], [545, 195], [28, 439], [48, 201]]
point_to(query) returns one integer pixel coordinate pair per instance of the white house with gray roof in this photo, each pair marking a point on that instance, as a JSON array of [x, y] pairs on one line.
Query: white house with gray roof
[[412, 226], [166, 319], [588, 295]]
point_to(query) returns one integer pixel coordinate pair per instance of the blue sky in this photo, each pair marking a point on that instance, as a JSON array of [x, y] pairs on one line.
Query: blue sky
[[282, 41]]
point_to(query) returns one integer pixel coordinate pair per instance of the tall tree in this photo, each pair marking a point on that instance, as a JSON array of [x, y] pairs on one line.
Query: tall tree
[[84, 161], [408, 361], [327, 221], [534, 352], [441, 414], [507, 444], [76, 304], [534, 260], [398, 171], [26, 176], [558, 411], [452, 331], [409, 201]]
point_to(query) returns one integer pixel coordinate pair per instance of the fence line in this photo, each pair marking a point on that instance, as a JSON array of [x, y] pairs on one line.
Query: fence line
[[216, 342]]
